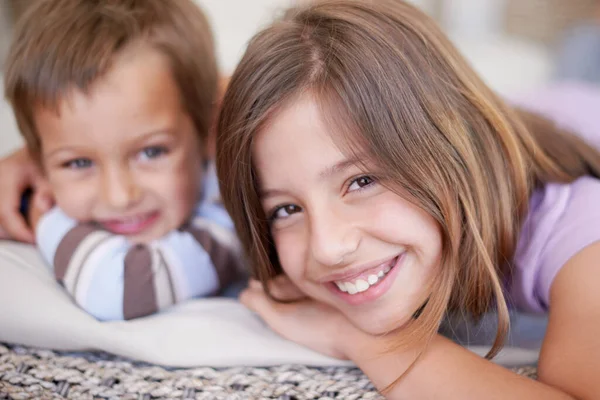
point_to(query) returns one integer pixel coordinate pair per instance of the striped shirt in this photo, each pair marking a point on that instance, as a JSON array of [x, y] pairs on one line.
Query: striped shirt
[[113, 279]]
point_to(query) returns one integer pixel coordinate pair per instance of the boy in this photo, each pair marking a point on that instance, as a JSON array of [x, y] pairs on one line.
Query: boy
[[114, 100]]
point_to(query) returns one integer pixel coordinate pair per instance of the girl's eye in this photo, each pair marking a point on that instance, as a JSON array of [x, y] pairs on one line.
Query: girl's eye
[[78, 163], [284, 211], [360, 183], [153, 152]]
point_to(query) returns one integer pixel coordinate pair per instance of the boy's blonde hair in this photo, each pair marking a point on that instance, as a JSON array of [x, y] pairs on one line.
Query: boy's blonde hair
[[60, 45], [393, 87]]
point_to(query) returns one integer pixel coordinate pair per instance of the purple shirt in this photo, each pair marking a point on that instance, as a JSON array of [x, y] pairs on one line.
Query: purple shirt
[[563, 218]]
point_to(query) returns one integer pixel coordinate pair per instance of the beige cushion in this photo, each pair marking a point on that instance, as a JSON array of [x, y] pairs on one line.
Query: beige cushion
[[217, 332]]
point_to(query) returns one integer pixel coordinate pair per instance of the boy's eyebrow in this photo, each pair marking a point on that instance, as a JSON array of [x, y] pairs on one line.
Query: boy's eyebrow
[[58, 151], [166, 132]]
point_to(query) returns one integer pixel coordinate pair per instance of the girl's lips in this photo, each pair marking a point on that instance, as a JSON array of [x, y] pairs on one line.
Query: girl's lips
[[131, 225], [373, 292]]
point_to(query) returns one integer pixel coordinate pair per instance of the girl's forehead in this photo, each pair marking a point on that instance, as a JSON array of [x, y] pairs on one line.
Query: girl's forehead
[[298, 144], [305, 113], [297, 126]]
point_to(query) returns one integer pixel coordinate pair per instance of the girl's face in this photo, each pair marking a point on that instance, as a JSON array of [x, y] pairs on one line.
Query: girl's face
[[341, 236]]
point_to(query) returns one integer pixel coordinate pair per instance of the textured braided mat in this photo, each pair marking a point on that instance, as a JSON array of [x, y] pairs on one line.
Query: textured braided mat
[[40, 374]]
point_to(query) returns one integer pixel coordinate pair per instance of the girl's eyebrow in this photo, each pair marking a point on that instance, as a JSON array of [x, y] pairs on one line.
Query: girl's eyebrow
[[265, 194], [339, 167], [328, 172]]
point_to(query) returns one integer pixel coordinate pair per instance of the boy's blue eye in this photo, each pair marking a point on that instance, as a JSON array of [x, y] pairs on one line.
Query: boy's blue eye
[[153, 152], [78, 163]]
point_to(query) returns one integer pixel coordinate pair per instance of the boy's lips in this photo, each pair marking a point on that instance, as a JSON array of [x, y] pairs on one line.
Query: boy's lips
[[130, 225]]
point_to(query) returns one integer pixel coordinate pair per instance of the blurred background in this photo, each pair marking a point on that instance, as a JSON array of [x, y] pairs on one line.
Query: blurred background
[[517, 46]]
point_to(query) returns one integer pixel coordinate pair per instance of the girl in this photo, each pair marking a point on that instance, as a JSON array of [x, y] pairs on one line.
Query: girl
[[370, 170]]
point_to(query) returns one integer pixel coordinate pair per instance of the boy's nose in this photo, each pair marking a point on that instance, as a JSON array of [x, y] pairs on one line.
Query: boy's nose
[[120, 190]]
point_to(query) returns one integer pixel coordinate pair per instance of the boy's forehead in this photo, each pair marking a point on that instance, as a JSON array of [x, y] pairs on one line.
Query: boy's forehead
[[136, 97], [139, 81], [139, 72]]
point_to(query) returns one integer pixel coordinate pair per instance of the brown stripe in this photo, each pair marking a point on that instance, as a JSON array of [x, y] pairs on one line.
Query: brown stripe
[[67, 247], [139, 298], [224, 260]]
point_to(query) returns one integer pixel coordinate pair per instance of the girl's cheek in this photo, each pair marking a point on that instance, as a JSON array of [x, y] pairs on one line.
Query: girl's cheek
[[289, 254]]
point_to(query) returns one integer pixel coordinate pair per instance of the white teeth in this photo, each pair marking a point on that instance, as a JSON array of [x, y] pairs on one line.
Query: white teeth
[[350, 288], [132, 221], [373, 279], [341, 286], [361, 285]]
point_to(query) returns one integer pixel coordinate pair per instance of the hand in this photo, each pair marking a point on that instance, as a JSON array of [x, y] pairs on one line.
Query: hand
[[305, 321], [322, 328], [18, 172]]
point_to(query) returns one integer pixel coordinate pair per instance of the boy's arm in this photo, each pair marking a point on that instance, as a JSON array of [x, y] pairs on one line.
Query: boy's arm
[[112, 279], [204, 255], [88, 261], [208, 243]]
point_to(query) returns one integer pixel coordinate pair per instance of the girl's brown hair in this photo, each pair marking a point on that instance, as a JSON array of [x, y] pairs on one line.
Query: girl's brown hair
[[391, 84], [59, 45]]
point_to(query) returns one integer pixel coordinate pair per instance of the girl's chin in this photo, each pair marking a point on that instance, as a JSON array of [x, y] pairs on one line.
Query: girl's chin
[[378, 325]]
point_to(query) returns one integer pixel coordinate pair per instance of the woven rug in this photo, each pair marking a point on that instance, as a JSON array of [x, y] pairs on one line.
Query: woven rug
[[27, 373]]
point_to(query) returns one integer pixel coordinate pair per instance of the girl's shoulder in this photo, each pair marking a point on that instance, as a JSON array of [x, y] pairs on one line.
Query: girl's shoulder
[[563, 219]]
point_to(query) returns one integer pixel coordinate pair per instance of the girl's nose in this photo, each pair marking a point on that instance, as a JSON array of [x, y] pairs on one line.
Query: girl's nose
[[333, 239]]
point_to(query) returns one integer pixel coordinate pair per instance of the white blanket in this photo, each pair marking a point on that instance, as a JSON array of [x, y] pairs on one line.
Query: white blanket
[[216, 332]]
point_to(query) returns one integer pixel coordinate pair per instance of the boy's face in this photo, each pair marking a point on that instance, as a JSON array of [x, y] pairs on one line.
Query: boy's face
[[125, 155]]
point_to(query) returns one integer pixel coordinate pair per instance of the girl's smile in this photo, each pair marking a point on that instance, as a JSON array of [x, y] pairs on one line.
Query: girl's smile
[[368, 285]]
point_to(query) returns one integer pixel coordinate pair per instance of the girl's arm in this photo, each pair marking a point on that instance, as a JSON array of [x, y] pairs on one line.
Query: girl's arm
[[568, 365], [570, 356], [446, 370]]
